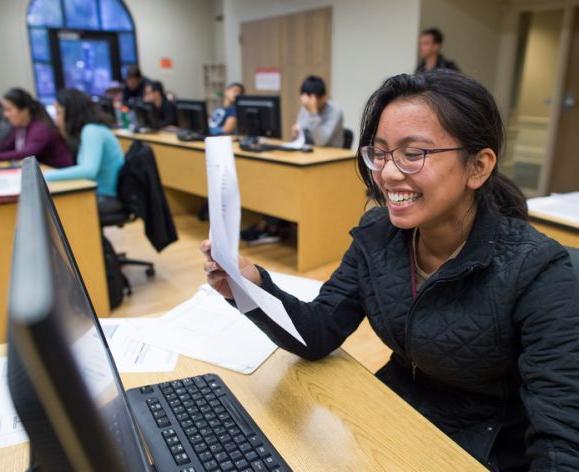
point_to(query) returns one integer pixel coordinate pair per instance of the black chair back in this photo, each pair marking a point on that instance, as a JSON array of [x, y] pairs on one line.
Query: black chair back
[[348, 138]]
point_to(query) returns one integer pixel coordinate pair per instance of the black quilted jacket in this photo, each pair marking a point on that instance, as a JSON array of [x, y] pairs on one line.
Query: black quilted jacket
[[488, 350]]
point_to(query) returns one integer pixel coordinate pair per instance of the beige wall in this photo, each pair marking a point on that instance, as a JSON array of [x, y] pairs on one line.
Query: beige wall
[[472, 30], [180, 29], [540, 64], [371, 41]]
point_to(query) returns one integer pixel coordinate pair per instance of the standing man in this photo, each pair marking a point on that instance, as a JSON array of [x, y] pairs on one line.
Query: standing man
[[319, 117], [430, 46]]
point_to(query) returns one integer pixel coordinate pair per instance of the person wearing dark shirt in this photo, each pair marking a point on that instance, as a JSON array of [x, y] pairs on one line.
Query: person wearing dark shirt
[[430, 46], [134, 88], [33, 132], [223, 120], [166, 110]]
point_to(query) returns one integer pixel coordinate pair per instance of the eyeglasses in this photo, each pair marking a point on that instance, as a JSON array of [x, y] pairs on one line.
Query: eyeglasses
[[408, 160]]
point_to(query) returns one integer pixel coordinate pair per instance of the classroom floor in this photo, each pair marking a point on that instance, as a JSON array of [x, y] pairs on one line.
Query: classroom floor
[[179, 271]]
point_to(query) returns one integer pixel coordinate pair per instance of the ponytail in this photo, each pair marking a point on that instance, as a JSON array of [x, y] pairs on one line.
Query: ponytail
[[500, 194]]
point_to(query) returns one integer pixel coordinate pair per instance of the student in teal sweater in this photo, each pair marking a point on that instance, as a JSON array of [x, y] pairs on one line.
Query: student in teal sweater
[[99, 154]]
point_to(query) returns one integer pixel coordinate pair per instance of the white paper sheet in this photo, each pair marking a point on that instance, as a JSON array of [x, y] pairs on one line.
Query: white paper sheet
[[301, 287], [562, 205], [298, 143], [207, 328], [131, 352], [225, 215], [11, 429], [10, 182]]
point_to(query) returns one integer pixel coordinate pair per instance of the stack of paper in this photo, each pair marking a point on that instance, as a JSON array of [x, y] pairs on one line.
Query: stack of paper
[[11, 429], [10, 182], [559, 205]]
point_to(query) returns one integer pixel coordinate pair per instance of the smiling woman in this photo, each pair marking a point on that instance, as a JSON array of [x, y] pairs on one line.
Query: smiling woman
[[480, 310]]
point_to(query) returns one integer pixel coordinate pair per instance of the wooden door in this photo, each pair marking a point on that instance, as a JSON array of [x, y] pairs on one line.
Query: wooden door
[[297, 45], [565, 167]]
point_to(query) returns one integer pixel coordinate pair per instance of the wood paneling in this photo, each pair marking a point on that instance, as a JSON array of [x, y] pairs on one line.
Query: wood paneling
[[299, 44]]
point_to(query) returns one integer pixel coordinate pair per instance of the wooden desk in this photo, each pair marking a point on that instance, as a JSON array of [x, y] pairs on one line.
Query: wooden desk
[[560, 229], [75, 202], [329, 415], [320, 191]]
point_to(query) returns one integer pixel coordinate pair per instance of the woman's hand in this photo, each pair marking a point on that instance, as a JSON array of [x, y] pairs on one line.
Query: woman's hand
[[216, 276]]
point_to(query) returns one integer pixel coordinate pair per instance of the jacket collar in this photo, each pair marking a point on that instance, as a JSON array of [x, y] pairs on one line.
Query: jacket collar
[[379, 235]]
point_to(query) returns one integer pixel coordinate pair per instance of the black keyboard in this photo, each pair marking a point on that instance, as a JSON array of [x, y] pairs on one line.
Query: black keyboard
[[185, 135], [204, 428]]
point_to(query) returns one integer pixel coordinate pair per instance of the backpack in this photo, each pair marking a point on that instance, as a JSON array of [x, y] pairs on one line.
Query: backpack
[[117, 283]]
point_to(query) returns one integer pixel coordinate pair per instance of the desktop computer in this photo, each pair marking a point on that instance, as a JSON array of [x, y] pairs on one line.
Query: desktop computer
[[192, 120], [147, 118], [67, 390]]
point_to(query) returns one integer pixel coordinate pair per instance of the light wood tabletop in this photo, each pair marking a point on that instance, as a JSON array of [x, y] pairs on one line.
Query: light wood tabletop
[[329, 415], [76, 205], [320, 191], [563, 230], [320, 155]]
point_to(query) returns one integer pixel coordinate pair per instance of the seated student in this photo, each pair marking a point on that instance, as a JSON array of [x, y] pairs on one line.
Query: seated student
[[166, 110], [319, 117], [134, 88], [100, 156], [480, 310], [33, 132], [322, 122], [223, 120]]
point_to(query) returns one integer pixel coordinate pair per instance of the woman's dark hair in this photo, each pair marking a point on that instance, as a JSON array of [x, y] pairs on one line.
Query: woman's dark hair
[[313, 85], [22, 100], [79, 110], [467, 111], [157, 86], [134, 72]]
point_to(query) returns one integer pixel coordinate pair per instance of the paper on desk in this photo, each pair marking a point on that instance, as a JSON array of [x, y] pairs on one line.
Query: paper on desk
[[562, 205], [130, 351], [207, 328], [298, 143], [225, 216], [10, 182], [11, 429]]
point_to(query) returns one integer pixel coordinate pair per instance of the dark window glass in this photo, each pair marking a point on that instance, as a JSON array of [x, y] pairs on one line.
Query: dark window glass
[[114, 16], [45, 13], [127, 47], [39, 44], [44, 81], [81, 14], [86, 65]]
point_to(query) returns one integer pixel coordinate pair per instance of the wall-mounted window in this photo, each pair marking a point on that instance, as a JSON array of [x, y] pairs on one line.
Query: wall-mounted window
[[84, 44]]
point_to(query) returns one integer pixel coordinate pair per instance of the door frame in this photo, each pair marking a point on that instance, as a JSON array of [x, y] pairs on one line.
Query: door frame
[[569, 7]]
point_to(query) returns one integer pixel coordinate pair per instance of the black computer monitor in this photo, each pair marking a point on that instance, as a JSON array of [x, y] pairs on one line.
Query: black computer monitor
[[146, 116], [61, 374], [192, 116], [258, 116], [106, 106]]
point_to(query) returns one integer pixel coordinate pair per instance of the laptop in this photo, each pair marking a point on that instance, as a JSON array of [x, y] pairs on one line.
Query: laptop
[[68, 392]]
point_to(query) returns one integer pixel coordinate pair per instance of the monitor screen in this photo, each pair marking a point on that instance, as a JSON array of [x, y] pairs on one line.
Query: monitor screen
[[192, 116], [258, 116], [60, 343]]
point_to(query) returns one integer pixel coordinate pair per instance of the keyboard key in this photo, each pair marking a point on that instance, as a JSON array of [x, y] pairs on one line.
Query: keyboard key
[[234, 431], [205, 456], [150, 401], [175, 403], [219, 409], [236, 455], [270, 462], [177, 448], [221, 456], [227, 465], [181, 391], [200, 424], [186, 424], [181, 458], [210, 416], [214, 423], [251, 456], [258, 466], [205, 391], [163, 422], [254, 440], [240, 438], [176, 384], [167, 433], [164, 385], [224, 437], [195, 439], [159, 414], [201, 447], [229, 423], [212, 439], [146, 389], [230, 446], [171, 396], [188, 402], [171, 441], [167, 390], [216, 448], [155, 407], [219, 430], [183, 417], [205, 432], [188, 469], [211, 465], [241, 464], [191, 431], [245, 447], [262, 451], [187, 382]]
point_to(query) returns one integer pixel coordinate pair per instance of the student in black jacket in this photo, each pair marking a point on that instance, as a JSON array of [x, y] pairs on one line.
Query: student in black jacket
[[167, 111], [480, 310]]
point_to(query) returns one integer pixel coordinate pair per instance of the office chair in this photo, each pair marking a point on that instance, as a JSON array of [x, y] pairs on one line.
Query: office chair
[[348, 138], [574, 253], [115, 213]]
